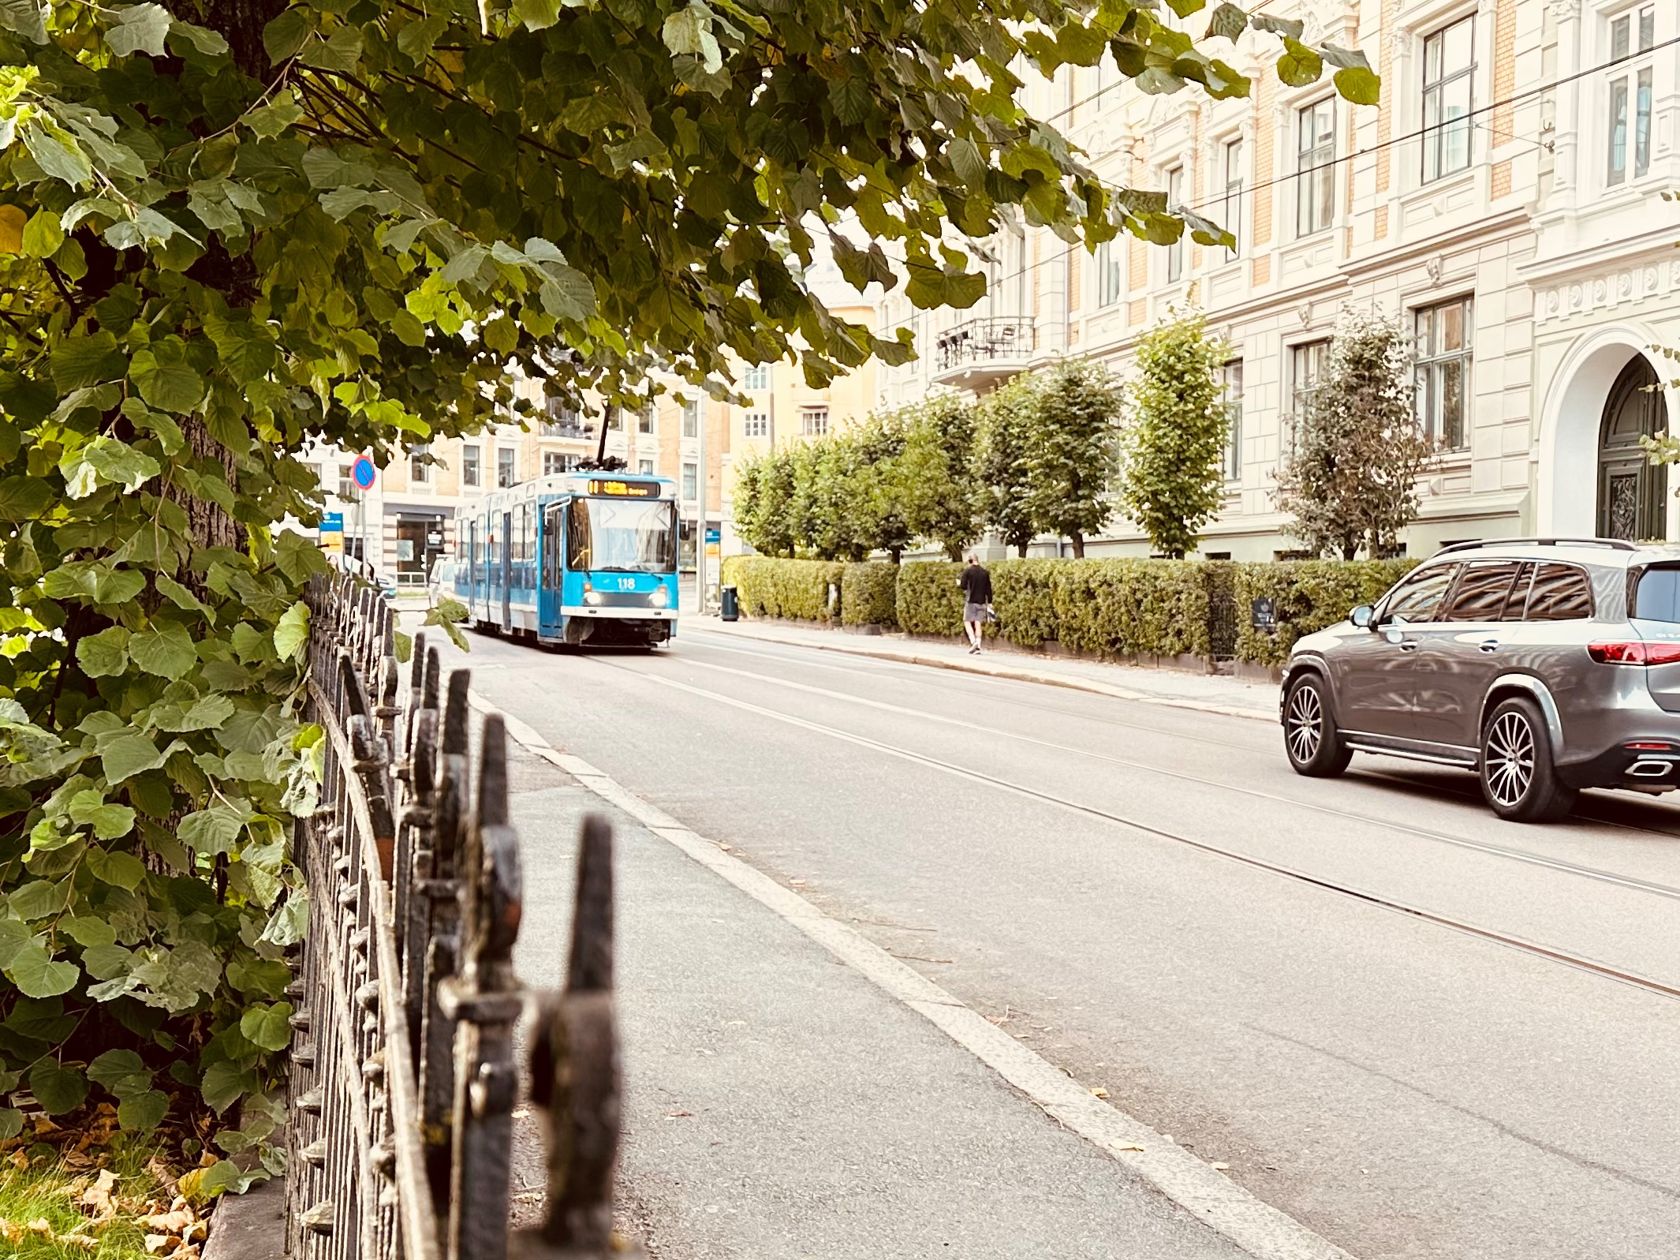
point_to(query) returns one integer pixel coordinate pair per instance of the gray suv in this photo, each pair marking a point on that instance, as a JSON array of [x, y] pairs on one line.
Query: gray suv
[[1545, 665]]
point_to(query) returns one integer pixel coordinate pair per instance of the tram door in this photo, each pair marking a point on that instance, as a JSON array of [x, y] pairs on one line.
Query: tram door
[[507, 572], [550, 541]]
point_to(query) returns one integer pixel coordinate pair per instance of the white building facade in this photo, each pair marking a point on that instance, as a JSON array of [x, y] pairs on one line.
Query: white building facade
[[1504, 201]]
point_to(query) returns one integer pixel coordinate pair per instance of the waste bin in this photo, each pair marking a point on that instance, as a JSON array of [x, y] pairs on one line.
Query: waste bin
[[731, 604]]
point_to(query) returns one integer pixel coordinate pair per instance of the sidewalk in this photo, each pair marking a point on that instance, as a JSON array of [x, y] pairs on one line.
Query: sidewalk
[[1232, 697], [780, 1106]]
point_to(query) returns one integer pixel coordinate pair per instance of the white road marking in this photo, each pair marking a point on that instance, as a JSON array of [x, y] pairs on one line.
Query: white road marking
[[1260, 1229]]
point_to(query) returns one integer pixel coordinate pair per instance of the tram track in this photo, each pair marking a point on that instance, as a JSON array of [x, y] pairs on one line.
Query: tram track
[[1669, 891], [1306, 878]]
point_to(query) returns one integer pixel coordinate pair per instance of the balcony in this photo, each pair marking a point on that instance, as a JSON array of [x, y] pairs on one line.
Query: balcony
[[980, 354]]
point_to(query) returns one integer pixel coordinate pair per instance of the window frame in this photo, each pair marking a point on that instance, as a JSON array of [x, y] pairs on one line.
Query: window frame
[[1177, 254], [1232, 199], [472, 464], [1317, 160], [1579, 572], [1512, 583], [691, 419], [1452, 567], [1232, 455], [419, 471], [808, 421], [1437, 137], [756, 378], [690, 484], [755, 424], [513, 468], [1634, 74], [1110, 278], [1429, 375], [1299, 398]]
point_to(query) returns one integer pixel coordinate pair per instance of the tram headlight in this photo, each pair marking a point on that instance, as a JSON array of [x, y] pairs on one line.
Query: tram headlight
[[592, 598], [659, 598]]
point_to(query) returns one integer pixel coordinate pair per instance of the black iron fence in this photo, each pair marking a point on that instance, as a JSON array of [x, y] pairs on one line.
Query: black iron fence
[[404, 1077], [984, 340]]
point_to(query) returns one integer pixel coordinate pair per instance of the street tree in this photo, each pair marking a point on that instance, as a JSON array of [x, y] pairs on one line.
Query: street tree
[[763, 504], [879, 485], [236, 228], [945, 500], [1350, 480], [1172, 479], [1071, 470], [1006, 423]]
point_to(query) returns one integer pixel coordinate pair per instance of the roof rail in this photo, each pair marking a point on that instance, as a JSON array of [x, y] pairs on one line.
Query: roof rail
[[1617, 544]]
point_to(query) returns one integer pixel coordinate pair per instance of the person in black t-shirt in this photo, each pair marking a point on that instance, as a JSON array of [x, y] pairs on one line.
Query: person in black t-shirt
[[976, 585]]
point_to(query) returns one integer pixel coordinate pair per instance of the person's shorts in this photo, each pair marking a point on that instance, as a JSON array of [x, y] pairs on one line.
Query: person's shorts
[[974, 612]]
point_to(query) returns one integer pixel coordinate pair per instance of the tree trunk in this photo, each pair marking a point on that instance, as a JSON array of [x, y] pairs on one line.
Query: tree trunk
[[1078, 541], [1021, 551], [897, 554]]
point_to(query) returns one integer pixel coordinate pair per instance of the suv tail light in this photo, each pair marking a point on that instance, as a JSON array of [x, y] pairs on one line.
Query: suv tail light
[[1634, 652]]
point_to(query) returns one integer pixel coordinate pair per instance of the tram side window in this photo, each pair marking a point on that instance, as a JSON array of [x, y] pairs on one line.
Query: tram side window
[[554, 527], [577, 536]]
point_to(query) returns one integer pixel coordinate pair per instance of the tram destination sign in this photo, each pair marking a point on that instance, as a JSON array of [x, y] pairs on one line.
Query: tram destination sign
[[625, 489]]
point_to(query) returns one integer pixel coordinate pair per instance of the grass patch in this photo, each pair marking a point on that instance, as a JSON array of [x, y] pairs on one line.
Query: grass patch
[[69, 1200]]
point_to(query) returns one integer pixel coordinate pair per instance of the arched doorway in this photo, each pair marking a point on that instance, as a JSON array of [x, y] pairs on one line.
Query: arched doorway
[[1632, 492]]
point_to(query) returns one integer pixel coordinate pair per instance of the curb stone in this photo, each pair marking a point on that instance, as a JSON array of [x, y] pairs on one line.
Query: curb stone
[[249, 1226]]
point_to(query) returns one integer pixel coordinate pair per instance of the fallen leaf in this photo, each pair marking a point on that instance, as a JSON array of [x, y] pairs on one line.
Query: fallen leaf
[[1099, 1092], [1124, 1146], [1219, 1167], [677, 1115], [161, 1244]]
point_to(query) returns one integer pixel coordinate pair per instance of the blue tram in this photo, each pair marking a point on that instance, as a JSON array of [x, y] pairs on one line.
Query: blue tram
[[581, 557]]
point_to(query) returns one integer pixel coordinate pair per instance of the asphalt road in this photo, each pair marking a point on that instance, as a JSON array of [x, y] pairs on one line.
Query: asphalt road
[[1312, 982]]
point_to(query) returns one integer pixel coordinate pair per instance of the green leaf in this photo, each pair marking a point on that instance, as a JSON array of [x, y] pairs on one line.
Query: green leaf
[[1360, 85], [268, 976], [42, 235], [88, 930], [415, 40], [409, 330], [37, 899], [88, 360], [1299, 64], [292, 632], [104, 654], [11, 1123], [37, 975], [109, 821], [1227, 22], [58, 154], [213, 830], [58, 1089], [167, 383], [114, 867], [121, 1072], [342, 52], [852, 98], [141, 28], [141, 1113], [177, 594], [403, 645], [567, 294], [208, 42], [285, 35], [968, 162], [24, 17], [223, 1083], [166, 651], [268, 121], [266, 1026], [128, 755]]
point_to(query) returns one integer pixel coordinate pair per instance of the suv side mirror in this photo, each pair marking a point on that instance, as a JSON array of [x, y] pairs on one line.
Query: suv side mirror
[[1361, 616]]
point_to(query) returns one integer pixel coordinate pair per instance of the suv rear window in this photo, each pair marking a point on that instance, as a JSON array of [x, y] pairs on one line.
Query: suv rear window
[[1657, 597], [1560, 592]]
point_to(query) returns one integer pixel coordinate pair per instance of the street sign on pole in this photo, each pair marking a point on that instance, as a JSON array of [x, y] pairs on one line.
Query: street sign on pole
[[714, 534], [362, 472]]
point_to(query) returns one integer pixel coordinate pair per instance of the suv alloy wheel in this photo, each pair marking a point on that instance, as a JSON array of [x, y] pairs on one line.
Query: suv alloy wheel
[[1309, 735], [1519, 781]]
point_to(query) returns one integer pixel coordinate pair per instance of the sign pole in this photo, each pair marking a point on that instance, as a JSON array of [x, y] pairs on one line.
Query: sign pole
[[700, 516]]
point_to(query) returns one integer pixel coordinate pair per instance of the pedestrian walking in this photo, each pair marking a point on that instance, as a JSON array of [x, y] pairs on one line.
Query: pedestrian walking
[[976, 585]]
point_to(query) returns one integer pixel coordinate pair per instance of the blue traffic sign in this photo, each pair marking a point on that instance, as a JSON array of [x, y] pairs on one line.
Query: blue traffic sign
[[362, 472], [332, 522], [714, 535]]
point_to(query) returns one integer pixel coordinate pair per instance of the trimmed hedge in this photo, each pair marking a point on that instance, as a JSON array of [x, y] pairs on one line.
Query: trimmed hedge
[[869, 594], [929, 600], [1134, 607], [1307, 595], [796, 589], [1024, 594]]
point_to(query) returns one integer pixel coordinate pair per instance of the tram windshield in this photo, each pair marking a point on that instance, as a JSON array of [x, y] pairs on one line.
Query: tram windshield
[[622, 535]]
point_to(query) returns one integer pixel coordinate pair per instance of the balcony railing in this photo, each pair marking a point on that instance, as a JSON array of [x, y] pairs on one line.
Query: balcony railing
[[979, 351], [576, 430]]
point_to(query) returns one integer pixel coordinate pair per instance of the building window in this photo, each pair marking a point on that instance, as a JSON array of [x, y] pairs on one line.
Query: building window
[[1315, 150], [504, 468], [419, 466], [556, 462], [562, 420], [756, 424], [1233, 374], [1109, 260], [1231, 213], [471, 473], [1175, 203], [691, 419], [813, 421], [691, 482], [1444, 334], [645, 467], [1449, 66], [615, 417], [1632, 37], [757, 378], [644, 419], [348, 490], [1306, 375]]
